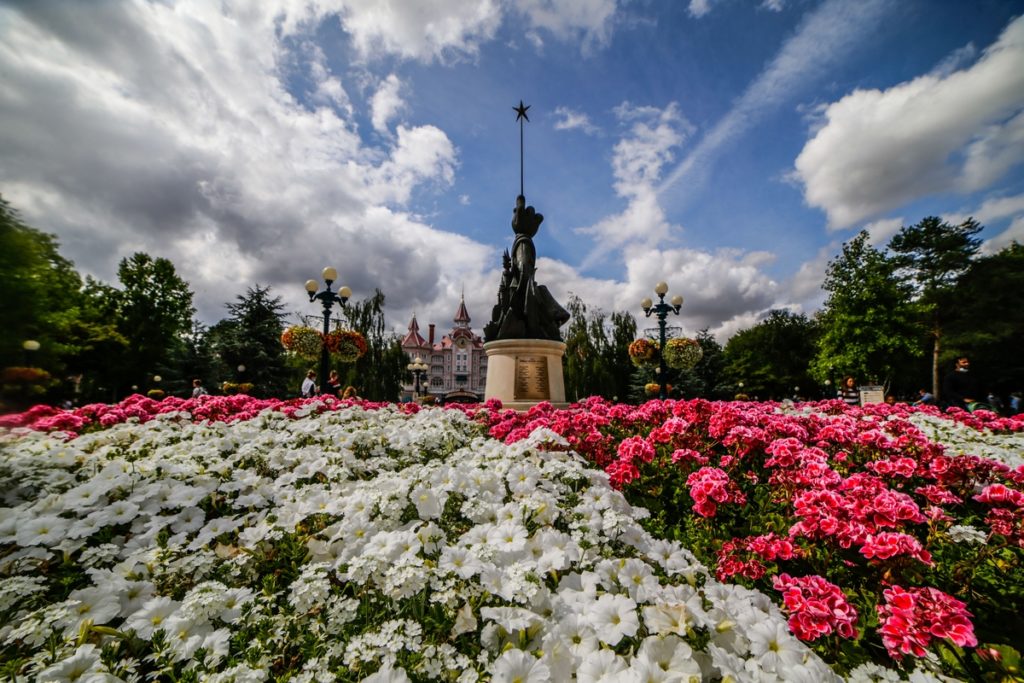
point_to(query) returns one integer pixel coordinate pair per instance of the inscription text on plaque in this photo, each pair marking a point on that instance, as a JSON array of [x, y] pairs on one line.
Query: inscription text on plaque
[[532, 379]]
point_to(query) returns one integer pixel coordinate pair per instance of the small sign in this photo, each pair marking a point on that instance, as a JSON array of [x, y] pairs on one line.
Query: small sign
[[531, 379], [871, 394]]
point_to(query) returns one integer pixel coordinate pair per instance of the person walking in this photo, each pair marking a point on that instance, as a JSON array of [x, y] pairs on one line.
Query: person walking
[[959, 388], [849, 391], [309, 385], [198, 389]]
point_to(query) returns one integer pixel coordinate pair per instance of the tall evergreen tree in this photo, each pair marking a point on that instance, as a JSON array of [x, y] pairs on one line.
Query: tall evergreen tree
[[868, 326], [251, 338], [932, 255]]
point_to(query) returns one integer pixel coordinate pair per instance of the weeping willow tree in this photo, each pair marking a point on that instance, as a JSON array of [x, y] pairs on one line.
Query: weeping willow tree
[[597, 352], [377, 376]]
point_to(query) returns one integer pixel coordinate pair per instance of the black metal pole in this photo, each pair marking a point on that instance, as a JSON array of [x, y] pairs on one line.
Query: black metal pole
[[662, 313], [324, 355]]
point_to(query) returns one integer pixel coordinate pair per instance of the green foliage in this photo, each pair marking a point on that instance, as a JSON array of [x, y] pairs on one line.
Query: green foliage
[[38, 284], [597, 352], [771, 359], [932, 255], [868, 327], [378, 375], [250, 337], [154, 311], [986, 318]]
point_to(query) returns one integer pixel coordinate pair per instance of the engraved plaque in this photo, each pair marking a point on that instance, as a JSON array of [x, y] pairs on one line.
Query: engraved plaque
[[532, 379]]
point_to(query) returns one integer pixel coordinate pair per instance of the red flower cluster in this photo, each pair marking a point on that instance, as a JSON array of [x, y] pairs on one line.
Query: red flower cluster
[[747, 556], [710, 487], [816, 607], [911, 618]]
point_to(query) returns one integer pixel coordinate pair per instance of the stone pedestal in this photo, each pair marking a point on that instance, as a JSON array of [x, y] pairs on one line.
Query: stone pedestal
[[524, 372]]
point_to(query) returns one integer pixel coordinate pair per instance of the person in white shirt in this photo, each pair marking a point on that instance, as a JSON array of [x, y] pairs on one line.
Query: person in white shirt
[[198, 389], [309, 385]]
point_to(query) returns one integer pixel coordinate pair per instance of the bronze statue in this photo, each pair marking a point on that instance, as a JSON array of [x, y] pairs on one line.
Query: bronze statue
[[525, 310]]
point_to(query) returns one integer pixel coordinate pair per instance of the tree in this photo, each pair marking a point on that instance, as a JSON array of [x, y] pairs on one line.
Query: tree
[[933, 254], [868, 326], [710, 371], [771, 358], [154, 310], [378, 375], [585, 371], [986, 317], [251, 337], [38, 286], [616, 354]]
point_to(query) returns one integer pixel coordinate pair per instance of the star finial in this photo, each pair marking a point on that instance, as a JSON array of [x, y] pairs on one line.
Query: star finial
[[521, 111]]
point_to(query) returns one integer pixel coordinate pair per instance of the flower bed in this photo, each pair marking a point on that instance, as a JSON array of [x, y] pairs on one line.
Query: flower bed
[[352, 544], [888, 534], [230, 538]]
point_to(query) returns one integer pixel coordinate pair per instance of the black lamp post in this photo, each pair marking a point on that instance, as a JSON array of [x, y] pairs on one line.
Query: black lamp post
[[30, 346], [661, 309], [417, 367], [327, 299]]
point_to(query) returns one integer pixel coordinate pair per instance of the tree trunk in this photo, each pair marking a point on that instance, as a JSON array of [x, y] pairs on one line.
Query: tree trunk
[[937, 335]]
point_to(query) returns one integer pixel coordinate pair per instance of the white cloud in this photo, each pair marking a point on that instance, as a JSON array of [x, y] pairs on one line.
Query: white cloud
[[991, 209], [448, 30], [386, 103], [637, 160], [182, 140], [420, 29], [574, 120], [823, 38], [589, 21], [881, 230], [881, 149], [1013, 233], [698, 8]]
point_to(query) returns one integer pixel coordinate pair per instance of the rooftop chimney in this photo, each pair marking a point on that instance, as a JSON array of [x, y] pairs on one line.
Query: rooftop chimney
[[431, 340]]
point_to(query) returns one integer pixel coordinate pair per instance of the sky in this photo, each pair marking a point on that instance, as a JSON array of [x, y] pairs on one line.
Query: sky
[[727, 147]]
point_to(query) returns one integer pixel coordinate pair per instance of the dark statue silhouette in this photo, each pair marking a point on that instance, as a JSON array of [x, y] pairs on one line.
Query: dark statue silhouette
[[525, 310]]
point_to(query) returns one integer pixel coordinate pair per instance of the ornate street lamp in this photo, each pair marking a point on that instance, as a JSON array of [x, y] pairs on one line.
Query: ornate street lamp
[[417, 367], [30, 346], [327, 299], [661, 309]]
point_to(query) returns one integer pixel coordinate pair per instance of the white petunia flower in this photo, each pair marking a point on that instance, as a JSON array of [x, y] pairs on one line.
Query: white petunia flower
[[99, 605], [47, 530], [775, 647], [428, 504], [603, 666], [187, 520], [508, 537], [151, 617], [516, 666], [614, 617], [387, 674], [82, 667]]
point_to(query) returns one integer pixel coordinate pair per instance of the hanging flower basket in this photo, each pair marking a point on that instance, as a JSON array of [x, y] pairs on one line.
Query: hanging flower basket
[[652, 388], [643, 353], [304, 342], [683, 353], [347, 346]]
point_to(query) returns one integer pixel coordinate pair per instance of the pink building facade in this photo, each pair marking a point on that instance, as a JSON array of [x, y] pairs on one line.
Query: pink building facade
[[457, 362]]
